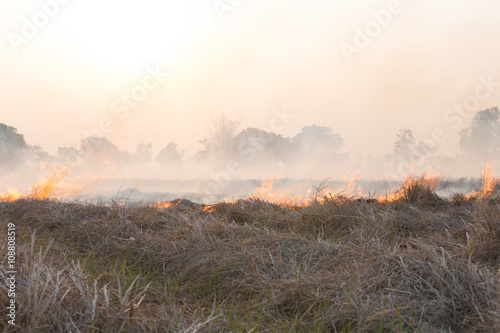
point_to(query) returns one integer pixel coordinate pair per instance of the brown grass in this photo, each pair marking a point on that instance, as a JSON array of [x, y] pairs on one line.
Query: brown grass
[[419, 264]]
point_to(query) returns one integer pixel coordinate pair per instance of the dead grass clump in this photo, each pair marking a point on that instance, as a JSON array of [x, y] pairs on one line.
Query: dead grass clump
[[460, 199], [420, 191], [484, 235]]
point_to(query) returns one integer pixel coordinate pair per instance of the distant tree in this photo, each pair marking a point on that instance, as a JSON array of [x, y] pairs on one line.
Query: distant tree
[[100, 151], [256, 145], [483, 135], [12, 147], [143, 153], [169, 155], [405, 142], [67, 155], [220, 137], [408, 148], [37, 155], [222, 131], [317, 140]]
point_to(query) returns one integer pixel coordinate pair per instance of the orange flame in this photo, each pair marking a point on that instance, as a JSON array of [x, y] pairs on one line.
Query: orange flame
[[208, 208], [351, 183], [290, 198], [429, 180], [283, 198], [10, 195], [167, 204], [489, 183], [57, 185], [350, 187]]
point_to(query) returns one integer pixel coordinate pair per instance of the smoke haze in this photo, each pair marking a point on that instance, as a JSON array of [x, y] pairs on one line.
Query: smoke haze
[[131, 89]]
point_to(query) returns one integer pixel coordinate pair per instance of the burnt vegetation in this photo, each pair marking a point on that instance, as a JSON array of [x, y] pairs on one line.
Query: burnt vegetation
[[419, 263]]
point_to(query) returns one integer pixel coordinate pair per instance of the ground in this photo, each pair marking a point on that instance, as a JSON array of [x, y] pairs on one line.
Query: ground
[[418, 263]]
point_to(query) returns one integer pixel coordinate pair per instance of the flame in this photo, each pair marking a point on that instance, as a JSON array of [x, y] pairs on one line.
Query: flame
[[57, 185], [10, 195], [283, 198], [394, 196], [489, 183], [351, 183], [292, 198], [167, 204], [350, 188], [429, 179], [208, 208]]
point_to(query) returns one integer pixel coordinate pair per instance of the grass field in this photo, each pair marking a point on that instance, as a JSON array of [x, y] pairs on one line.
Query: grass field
[[418, 263]]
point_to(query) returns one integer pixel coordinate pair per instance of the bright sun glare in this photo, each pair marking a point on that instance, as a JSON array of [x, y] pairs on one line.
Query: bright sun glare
[[127, 34]]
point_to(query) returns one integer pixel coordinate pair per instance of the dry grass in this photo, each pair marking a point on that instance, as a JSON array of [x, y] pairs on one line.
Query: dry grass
[[418, 264]]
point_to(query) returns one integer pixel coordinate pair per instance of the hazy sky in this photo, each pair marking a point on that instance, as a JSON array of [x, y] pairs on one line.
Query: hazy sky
[[76, 69]]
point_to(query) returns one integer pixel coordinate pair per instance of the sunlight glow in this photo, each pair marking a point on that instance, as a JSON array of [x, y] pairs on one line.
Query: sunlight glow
[[130, 34]]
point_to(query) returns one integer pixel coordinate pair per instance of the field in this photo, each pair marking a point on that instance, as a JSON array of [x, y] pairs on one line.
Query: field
[[415, 263]]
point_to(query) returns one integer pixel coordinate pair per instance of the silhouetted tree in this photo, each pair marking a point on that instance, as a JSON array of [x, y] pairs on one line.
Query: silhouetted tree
[[12, 147], [408, 148], [68, 155], [169, 155], [143, 153], [100, 151], [37, 155], [256, 145], [221, 134], [222, 131], [317, 140], [405, 142], [483, 134]]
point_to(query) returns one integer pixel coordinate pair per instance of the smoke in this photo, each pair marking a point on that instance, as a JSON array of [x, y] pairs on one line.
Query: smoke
[[231, 161]]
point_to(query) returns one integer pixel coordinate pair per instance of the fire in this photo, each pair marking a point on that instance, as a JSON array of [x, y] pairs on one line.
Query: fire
[[284, 198], [168, 204], [351, 184], [289, 198], [208, 208], [57, 185], [428, 180], [489, 183], [10, 195], [351, 187]]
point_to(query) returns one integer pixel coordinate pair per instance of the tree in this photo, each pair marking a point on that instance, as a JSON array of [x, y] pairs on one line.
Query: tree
[[68, 155], [100, 151], [169, 155], [222, 131], [408, 148], [317, 140], [253, 145], [405, 143], [37, 155], [12, 147], [143, 153], [220, 136], [483, 134]]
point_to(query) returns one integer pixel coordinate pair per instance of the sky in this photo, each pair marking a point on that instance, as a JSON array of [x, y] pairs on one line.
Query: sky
[[158, 71]]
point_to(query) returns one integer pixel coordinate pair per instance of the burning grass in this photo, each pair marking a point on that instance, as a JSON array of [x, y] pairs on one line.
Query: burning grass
[[418, 263], [57, 185]]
